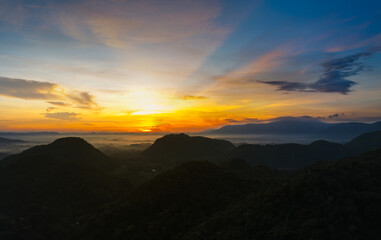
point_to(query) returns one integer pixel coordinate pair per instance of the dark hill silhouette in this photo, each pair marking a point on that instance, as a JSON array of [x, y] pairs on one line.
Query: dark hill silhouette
[[69, 190], [54, 185], [3, 155], [291, 156], [336, 200], [366, 142], [71, 149], [179, 148], [170, 204], [199, 200]]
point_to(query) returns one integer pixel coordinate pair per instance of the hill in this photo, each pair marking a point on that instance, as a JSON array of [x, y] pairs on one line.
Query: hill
[[366, 142], [178, 148], [52, 186], [199, 200], [69, 190], [172, 203], [336, 200], [71, 149], [292, 156]]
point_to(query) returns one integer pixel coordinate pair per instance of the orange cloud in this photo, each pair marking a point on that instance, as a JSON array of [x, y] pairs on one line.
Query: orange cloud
[[191, 97]]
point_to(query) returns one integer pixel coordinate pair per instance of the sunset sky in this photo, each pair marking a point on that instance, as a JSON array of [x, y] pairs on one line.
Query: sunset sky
[[121, 66]]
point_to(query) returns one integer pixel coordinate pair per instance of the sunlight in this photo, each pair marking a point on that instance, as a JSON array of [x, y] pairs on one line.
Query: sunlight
[[147, 102]]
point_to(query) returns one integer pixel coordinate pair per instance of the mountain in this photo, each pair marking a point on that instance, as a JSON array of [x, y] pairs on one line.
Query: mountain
[[200, 200], [366, 142], [179, 148], [350, 130], [175, 149], [3, 155], [292, 156], [289, 126], [301, 126], [335, 200], [70, 190], [52, 187], [66, 149], [171, 203]]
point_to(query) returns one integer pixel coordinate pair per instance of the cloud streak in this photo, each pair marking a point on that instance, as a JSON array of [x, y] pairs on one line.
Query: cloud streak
[[61, 104], [37, 90], [69, 116], [334, 78], [122, 23], [84, 99], [27, 89], [191, 97]]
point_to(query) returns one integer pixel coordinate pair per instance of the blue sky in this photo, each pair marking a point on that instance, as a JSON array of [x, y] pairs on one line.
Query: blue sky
[[130, 65]]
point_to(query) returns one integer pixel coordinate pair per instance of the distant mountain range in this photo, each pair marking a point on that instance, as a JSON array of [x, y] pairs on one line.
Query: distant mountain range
[[301, 126], [175, 149]]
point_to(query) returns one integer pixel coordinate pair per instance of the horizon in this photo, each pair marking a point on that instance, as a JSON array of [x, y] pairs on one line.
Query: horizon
[[206, 131], [177, 66]]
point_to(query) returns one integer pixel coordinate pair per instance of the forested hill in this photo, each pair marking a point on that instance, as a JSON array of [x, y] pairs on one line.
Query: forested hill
[[70, 190], [199, 200]]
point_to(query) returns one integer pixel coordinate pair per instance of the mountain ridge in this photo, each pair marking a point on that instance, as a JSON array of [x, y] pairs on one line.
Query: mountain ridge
[[300, 127]]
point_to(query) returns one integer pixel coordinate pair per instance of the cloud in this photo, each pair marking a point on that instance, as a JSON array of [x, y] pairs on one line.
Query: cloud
[[287, 86], [37, 90], [114, 91], [336, 115], [334, 79], [191, 97], [373, 41], [286, 118], [49, 109], [84, 99], [70, 116], [27, 89], [244, 120], [61, 104], [124, 23]]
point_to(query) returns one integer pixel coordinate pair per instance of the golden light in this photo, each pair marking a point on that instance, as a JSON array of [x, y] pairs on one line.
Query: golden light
[[148, 102]]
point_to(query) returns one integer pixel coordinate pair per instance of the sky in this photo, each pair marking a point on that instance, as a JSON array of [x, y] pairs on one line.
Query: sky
[[174, 66]]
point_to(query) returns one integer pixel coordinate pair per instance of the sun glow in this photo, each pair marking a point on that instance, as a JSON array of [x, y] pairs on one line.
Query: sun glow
[[147, 102]]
